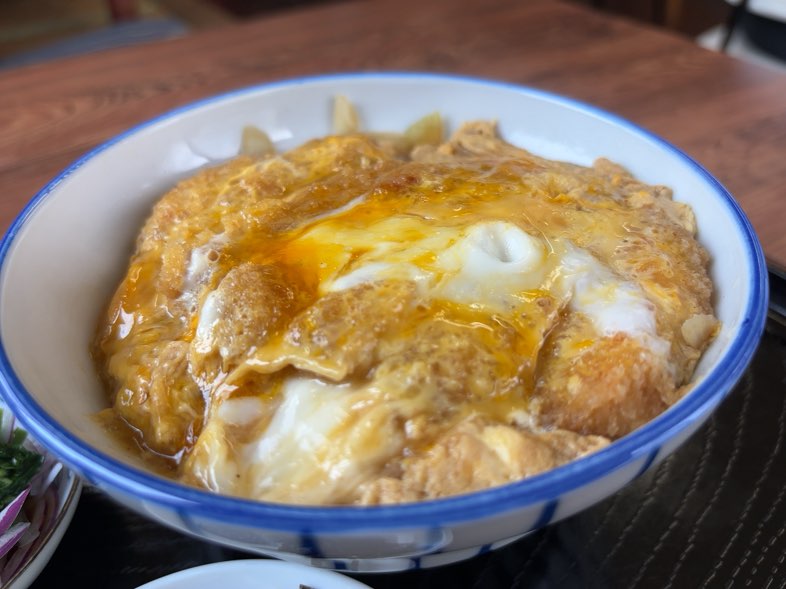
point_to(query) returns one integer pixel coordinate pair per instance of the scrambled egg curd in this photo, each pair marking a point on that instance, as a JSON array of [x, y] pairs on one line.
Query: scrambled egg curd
[[348, 324]]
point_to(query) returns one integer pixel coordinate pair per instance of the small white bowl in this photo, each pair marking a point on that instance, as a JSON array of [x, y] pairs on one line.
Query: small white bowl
[[68, 249], [68, 488], [54, 493], [251, 574]]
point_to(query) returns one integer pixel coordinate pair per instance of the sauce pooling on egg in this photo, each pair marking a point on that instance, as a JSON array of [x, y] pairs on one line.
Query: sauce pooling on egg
[[327, 326]]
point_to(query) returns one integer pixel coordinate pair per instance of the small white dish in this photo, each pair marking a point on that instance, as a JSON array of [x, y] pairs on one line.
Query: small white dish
[[68, 492], [63, 494], [254, 574]]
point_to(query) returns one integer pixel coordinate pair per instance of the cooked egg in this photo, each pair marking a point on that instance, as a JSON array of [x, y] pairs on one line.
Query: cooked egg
[[338, 325], [485, 265]]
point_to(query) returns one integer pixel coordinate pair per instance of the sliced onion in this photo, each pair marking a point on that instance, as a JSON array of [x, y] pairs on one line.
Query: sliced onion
[[255, 142], [345, 116], [46, 476], [14, 561], [396, 144], [7, 422], [30, 541], [8, 515], [9, 539], [428, 130]]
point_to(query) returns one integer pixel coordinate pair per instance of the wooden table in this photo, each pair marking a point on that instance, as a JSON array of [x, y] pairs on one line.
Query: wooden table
[[714, 512], [729, 115]]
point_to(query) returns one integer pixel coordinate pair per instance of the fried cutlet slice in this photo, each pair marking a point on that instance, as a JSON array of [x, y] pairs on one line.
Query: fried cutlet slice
[[474, 455]]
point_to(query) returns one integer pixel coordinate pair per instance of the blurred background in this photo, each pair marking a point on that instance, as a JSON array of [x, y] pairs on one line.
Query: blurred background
[[38, 30]]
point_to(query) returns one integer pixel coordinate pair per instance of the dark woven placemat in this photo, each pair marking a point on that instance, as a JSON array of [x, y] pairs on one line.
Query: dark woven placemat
[[711, 515]]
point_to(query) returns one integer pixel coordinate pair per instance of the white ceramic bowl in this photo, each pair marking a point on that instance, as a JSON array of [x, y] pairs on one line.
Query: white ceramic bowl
[[66, 252]]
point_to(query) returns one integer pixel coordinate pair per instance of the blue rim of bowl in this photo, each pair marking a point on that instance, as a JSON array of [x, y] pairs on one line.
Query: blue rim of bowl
[[534, 491]]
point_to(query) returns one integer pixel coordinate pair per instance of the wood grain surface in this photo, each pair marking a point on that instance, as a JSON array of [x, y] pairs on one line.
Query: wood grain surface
[[729, 115]]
